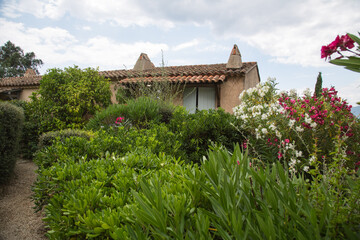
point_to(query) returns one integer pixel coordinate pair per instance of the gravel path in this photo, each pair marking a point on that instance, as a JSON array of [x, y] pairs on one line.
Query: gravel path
[[17, 218]]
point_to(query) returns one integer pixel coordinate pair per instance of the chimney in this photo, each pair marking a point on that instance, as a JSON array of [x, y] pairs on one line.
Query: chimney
[[30, 73], [143, 63], [234, 61]]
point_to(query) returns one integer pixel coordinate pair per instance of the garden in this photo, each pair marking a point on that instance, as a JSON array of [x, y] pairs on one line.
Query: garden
[[282, 166]]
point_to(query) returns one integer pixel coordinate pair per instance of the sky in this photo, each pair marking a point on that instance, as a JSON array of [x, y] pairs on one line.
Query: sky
[[283, 36]]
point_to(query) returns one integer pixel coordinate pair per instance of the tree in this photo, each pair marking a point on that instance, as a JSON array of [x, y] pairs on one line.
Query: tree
[[318, 86], [13, 61], [68, 98]]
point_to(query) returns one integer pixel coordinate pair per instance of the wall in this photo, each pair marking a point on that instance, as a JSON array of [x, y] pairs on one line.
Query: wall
[[230, 91], [26, 93], [252, 78]]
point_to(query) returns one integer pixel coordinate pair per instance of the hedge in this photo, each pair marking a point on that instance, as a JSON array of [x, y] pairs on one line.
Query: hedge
[[11, 123]]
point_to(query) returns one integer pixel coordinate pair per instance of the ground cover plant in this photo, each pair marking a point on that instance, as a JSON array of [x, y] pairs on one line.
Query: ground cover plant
[[266, 172]]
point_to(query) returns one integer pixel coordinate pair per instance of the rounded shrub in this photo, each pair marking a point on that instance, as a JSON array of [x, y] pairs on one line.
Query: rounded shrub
[[107, 117], [11, 123], [47, 139]]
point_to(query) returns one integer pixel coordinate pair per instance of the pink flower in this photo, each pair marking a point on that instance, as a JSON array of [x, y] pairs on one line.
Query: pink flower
[[335, 44], [347, 42], [287, 140], [119, 120]]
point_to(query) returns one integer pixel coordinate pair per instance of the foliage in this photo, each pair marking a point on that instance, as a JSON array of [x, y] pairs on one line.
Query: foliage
[[341, 45], [48, 138], [107, 116], [318, 85], [298, 130], [14, 63], [200, 130], [161, 89], [153, 196], [30, 133], [11, 122], [68, 98], [140, 112]]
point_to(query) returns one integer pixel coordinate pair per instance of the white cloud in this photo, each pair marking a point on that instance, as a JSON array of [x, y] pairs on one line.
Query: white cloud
[[58, 48], [290, 32], [184, 45]]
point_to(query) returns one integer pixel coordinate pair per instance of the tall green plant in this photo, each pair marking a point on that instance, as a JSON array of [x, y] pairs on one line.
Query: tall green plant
[[68, 98], [318, 86]]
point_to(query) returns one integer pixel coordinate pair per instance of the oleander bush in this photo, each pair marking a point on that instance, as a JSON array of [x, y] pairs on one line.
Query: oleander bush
[[301, 131], [11, 123]]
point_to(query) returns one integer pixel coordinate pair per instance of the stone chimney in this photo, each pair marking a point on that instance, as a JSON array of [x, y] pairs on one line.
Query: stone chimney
[[30, 72], [143, 63], [234, 61]]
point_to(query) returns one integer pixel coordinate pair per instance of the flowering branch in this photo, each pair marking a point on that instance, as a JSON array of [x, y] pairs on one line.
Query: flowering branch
[[343, 44]]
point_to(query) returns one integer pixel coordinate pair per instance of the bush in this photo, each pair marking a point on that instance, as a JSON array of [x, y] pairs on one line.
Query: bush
[[68, 98], [47, 139], [11, 122], [300, 131], [107, 117], [142, 195], [202, 129], [30, 136]]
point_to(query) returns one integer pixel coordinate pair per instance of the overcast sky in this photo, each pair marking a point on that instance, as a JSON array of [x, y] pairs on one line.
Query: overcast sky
[[283, 36]]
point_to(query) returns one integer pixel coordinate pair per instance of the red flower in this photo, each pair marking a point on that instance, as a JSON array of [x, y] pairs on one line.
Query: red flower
[[347, 42]]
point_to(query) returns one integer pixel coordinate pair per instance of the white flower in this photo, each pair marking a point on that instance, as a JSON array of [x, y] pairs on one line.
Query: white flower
[[298, 153], [299, 129], [312, 160], [313, 124], [293, 92], [307, 92], [291, 123], [264, 131], [278, 134], [306, 168], [272, 127], [264, 116]]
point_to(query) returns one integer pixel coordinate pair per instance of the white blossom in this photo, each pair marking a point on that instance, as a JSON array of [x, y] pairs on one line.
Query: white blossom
[[306, 168], [264, 131]]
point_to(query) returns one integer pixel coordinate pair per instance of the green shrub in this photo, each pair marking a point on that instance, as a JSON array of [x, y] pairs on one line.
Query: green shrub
[[11, 122], [68, 98], [30, 136], [47, 139], [200, 130], [153, 196], [143, 110], [107, 117]]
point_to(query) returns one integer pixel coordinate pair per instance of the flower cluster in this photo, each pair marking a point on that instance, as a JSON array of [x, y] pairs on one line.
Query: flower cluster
[[296, 129], [119, 120], [343, 43]]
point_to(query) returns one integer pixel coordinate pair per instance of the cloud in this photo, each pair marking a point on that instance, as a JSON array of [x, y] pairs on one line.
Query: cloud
[[58, 48], [189, 44], [290, 32]]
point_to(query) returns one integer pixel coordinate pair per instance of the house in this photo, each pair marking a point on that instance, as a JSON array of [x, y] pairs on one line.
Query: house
[[205, 86]]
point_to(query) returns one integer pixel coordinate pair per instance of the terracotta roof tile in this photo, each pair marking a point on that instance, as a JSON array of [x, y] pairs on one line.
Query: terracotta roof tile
[[178, 79], [192, 74], [20, 81]]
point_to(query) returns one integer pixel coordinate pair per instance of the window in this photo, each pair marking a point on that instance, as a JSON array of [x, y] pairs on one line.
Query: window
[[201, 98]]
